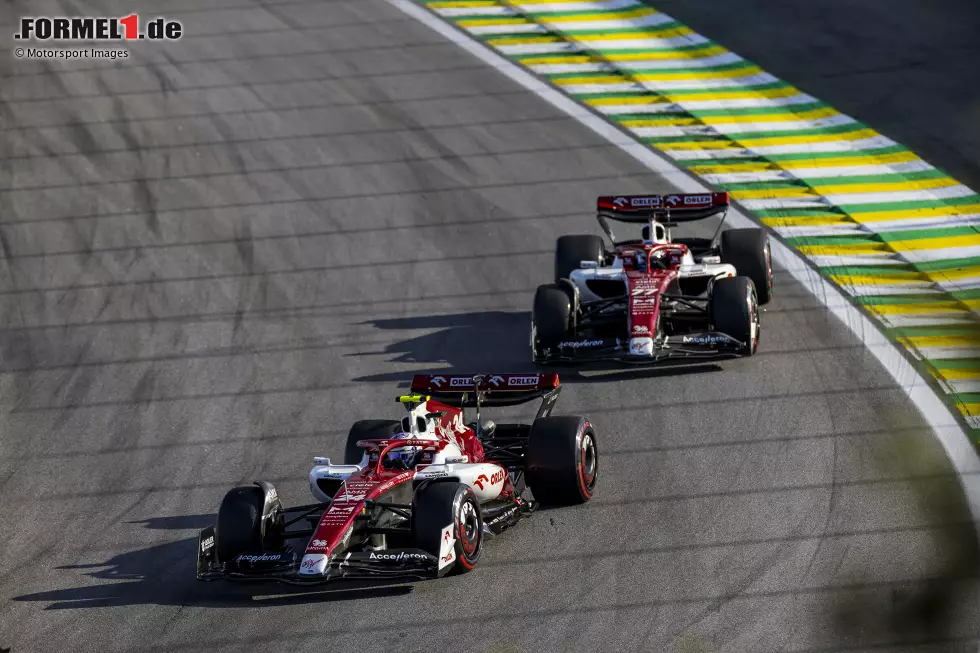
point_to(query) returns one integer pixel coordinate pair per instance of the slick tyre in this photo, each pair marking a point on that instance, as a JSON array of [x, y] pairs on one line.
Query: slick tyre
[[751, 254], [570, 251], [239, 526], [447, 523], [562, 460], [734, 310], [367, 429], [551, 314]]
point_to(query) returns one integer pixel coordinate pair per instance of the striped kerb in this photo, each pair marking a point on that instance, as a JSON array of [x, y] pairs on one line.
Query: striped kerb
[[891, 230]]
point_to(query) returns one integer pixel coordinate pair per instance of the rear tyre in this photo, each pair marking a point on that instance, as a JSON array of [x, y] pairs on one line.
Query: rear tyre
[[561, 464], [570, 251], [749, 251], [239, 526], [367, 429], [734, 311], [447, 523], [552, 314]]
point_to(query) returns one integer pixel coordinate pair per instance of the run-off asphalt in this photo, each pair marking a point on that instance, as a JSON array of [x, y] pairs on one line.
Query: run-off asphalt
[[221, 252]]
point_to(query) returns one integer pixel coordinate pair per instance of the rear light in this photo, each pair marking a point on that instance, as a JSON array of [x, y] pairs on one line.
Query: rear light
[[549, 380]]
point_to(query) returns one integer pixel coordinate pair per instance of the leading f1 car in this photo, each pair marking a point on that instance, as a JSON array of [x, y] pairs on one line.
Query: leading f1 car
[[414, 497], [656, 297]]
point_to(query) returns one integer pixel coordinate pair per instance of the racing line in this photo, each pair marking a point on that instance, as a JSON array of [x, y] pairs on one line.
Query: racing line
[[217, 255]]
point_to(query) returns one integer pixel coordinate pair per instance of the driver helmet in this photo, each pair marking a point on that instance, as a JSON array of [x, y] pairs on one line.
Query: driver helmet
[[407, 457]]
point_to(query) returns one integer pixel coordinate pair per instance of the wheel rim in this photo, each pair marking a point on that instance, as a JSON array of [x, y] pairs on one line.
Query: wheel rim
[[588, 463], [756, 324], [469, 528]]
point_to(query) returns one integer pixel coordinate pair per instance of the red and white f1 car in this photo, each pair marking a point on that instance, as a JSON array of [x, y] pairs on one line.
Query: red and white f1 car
[[415, 497], [656, 297]]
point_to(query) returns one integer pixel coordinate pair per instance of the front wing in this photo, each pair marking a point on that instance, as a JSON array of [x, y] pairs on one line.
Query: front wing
[[710, 345], [284, 565]]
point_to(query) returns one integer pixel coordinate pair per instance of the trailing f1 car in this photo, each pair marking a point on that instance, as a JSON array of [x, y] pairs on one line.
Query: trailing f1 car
[[657, 297], [414, 497]]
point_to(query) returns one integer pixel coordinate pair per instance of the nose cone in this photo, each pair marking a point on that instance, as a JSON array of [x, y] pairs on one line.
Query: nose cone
[[314, 564]]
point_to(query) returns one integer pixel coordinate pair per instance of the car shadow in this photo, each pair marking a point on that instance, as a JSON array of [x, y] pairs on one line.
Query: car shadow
[[163, 574], [494, 341]]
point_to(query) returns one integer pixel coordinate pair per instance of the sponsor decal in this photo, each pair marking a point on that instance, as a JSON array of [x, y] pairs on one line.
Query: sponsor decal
[[495, 478], [641, 329], [620, 201], [207, 544], [341, 510], [496, 380], [273, 495], [399, 557], [437, 381], [457, 459], [645, 201], [644, 291], [692, 200], [506, 514], [571, 344], [318, 544], [313, 563], [523, 381], [457, 382], [447, 547], [706, 340], [265, 557], [426, 457], [645, 301], [430, 474], [641, 346]]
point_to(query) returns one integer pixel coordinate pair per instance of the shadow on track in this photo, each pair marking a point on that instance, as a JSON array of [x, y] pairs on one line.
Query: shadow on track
[[495, 341], [164, 575]]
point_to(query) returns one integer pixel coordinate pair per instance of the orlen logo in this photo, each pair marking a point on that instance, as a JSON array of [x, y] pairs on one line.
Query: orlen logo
[[493, 480], [522, 380], [646, 201], [697, 199], [459, 381]]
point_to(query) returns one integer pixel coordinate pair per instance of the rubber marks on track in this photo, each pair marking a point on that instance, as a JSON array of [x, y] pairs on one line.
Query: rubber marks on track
[[891, 230]]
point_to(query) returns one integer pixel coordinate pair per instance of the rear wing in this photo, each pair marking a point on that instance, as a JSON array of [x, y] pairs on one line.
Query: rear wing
[[665, 209], [480, 390]]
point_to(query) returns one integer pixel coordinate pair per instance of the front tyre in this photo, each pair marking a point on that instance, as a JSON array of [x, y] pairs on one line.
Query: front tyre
[[551, 314], [734, 311], [239, 526], [561, 464], [447, 523]]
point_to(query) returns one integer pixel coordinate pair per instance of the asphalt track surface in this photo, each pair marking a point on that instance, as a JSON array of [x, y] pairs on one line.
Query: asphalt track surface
[[217, 256]]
